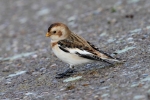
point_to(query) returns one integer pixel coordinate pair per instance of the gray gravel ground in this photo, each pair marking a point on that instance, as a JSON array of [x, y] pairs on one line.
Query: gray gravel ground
[[28, 67]]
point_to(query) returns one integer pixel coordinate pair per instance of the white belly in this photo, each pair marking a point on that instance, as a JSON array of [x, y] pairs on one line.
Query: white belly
[[71, 59]]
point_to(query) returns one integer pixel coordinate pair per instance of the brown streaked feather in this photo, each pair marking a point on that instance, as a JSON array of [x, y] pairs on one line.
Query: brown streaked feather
[[59, 33], [96, 48], [75, 41], [53, 44]]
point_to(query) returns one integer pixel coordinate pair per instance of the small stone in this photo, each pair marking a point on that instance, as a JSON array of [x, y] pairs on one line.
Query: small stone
[[72, 18], [72, 79], [144, 75], [86, 84], [138, 97], [6, 69], [104, 95], [102, 81], [103, 34], [97, 97], [34, 56], [43, 11], [53, 65], [140, 85], [23, 20], [96, 12], [43, 70], [17, 73], [36, 73], [26, 98], [132, 1], [70, 87], [45, 94]]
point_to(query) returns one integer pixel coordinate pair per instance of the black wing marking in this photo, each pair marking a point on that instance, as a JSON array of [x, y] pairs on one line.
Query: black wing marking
[[63, 49], [92, 57], [71, 44]]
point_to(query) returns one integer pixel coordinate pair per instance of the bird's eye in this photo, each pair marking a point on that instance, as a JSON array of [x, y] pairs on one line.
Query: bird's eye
[[54, 32]]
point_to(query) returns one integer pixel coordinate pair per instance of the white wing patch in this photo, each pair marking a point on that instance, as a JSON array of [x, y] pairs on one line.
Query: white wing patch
[[75, 50]]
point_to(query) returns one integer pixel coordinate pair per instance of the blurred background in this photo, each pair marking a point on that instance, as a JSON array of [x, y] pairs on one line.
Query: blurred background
[[24, 23], [28, 66]]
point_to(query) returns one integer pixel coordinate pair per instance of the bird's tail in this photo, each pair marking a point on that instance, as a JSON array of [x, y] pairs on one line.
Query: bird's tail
[[106, 57], [114, 60]]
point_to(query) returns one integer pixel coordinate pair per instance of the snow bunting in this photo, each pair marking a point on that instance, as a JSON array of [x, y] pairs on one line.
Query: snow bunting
[[73, 49]]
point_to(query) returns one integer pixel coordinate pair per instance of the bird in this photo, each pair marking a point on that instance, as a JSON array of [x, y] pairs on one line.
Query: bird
[[74, 49]]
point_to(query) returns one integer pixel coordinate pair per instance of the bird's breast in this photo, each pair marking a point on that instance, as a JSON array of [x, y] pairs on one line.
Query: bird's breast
[[68, 57], [53, 44]]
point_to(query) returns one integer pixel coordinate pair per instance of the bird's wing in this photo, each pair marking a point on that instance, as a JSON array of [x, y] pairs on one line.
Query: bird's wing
[[74, 47], [85, 50], [104, 54], [100, 51]]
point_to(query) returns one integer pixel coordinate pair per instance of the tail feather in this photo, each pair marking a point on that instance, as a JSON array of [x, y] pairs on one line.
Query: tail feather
[[105, 56], [115, 60]]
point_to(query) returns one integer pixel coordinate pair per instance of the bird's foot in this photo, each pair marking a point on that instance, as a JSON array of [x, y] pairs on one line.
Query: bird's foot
[[67, 73]]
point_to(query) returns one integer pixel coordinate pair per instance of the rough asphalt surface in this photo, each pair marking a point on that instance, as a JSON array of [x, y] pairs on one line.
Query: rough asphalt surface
[[28, 66]]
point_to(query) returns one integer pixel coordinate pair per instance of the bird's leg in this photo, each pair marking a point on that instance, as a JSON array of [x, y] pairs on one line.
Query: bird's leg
[[68, 72]]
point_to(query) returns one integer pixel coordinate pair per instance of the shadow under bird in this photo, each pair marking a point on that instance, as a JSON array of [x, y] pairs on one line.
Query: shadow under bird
[[73, 49]]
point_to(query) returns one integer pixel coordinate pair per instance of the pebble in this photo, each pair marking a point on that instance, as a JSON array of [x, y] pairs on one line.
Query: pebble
[[132, 1], [53, 65], [104, 95], [72, 18], [17, 73], [36, 73], [23, 20], [6, 69], [34, 56], [43, 70], [43, 11], [138, 97]]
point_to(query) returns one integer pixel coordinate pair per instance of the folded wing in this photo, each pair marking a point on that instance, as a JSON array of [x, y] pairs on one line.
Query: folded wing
[[86, 51]]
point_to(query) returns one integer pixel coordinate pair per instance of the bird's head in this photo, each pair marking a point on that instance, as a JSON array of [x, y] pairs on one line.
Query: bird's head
[[58, 31]]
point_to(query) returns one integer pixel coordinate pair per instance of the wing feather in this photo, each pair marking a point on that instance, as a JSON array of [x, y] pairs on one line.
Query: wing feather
[[85, 50]]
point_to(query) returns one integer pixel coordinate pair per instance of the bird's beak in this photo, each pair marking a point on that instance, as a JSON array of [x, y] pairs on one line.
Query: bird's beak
[[48, 34]]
